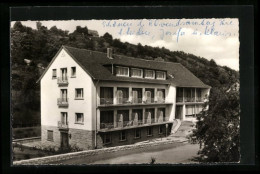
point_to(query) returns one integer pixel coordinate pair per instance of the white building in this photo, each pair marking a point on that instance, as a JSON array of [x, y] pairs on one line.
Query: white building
[[91, 99]]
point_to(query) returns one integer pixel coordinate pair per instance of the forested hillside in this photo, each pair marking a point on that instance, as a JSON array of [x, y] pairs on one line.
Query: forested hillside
[[39, 47]]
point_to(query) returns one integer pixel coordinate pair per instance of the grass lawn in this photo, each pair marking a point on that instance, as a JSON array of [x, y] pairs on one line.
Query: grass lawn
[[26, 153]]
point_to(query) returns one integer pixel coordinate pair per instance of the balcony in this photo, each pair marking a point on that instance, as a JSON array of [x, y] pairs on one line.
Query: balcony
[[106, 125], [62, 81], [132, 124], [123, 101], [199, 99], [137, 100], [189, 99], [63, 102], [63, 125], [106, 101]]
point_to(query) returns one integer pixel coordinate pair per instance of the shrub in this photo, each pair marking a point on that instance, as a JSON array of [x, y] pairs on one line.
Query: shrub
[[27, 156], [152, 161]]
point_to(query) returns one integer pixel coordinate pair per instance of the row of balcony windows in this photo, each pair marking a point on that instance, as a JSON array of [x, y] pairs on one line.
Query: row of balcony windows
[[133, 123], [189, 99], [64, 102]]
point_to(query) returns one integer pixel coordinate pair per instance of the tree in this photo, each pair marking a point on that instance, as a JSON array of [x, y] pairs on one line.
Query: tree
[[108, 37], [217, 129]]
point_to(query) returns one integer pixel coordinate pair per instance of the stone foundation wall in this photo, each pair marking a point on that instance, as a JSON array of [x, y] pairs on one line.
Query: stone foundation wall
[[83, 139]]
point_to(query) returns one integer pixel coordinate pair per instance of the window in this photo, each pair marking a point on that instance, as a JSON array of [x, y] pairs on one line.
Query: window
[[137, 95], [73, 71], [106, 95], [149, 74], [54, 73], [79, 93], [107, 138], [149, 95], [79, 118], [137, 133], [160, 129], [64, 118], [149, 131], [122, 71], [122, 136], [122, 95], [160, 75], [64, 74], [161, 95], [49, 135], [136, 72]]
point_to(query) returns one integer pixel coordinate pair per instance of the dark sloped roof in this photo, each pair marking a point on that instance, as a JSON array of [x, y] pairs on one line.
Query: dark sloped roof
[[93, 62]]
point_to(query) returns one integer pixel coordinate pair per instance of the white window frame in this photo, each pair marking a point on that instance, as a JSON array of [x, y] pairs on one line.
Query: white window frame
[[105, 137], [82, 94], [73, 75], [54, 77], [137, 76], [164, 75], [82, 119], [121, 135], [139, 133], [149, 77], [123, 75]]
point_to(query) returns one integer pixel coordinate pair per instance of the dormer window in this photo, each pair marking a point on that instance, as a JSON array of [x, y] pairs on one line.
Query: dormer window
[[135, 72], [149, 74], [122, 71], [160, 75]]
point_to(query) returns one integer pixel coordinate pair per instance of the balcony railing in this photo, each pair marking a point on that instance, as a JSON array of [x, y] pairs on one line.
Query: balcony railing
[[199, 99], [123, 101], [63, 125], [106, 125], [63, 102], [124, 124], [62, 80], [179, 99], [106, 101], [161, 100], [137, 100], [127, 101], [189, 99], [151, 100]]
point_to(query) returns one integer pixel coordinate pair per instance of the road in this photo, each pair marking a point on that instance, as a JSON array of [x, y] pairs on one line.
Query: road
[[181, 154], [170, 153]]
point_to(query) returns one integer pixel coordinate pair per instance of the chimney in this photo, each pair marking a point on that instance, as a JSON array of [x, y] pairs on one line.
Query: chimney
[[109, 53]]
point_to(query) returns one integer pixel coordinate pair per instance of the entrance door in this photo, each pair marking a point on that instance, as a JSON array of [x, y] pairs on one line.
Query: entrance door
[[64, 140], [178, 113]]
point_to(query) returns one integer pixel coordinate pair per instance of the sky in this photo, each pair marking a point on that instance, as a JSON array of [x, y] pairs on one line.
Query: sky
[[216, 39]]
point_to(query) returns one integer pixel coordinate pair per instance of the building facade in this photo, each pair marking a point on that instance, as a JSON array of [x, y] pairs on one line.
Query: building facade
[[92, 100]]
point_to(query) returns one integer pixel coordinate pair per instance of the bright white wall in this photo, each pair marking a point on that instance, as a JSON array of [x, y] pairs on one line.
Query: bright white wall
[[50, 91]]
